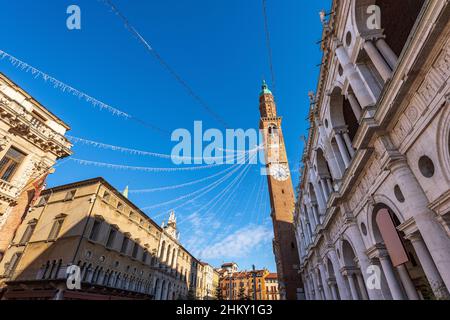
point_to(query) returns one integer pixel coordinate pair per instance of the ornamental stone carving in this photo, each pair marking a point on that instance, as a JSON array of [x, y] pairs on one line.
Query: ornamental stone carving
[[4, 142]]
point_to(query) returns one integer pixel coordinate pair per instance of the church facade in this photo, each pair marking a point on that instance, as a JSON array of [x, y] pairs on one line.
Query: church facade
[[372, 216]]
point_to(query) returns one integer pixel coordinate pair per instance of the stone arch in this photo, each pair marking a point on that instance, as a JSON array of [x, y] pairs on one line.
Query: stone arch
[[330, 267], [273, 139], [443, 143], [344, 237], [370, 217], [336, 108], [402, 253], [348, 254], [321, 164], [375, 231], [272, 128], [352, 269], [332, 271], [342, 115]]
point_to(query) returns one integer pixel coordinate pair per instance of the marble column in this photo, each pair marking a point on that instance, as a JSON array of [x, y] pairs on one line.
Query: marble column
[[348, 143], [362, 286], [311, 287], [316, 213], [389, 273], [305, 284], [332, 285], [340, 280], [309, 232], [434, 236], [357, 111], [387, 52], [380, 64], [342, 149], [325, 286], [311, 218], [360, 251], [324, 189], [330, 185], [359, 88], [429, 268], [410, 289], [316, 285], [352, 285]]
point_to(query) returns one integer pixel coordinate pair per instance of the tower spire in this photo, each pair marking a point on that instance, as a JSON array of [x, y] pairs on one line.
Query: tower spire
[[265, 88], [267, 106], [125, 192]]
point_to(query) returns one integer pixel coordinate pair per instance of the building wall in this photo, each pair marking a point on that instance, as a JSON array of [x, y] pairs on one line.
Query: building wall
[[110, 266], [272, 288], [376, 160], [33, 130], [244, 279]]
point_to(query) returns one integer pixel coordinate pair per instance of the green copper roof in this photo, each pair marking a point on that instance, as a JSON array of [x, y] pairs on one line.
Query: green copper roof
[[265, 89]]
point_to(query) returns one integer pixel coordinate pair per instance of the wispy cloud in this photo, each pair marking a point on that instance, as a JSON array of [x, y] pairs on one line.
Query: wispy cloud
[[238, 244]]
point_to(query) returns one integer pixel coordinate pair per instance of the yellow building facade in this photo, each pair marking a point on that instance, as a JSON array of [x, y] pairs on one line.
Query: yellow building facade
[[119, 251], [244, 285]]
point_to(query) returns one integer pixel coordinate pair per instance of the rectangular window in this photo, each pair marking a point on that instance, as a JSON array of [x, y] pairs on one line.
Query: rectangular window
[[95, 230], [106, 196], [144, 256], [124, 247], [70, 195], [10, 163], [43, 201], [56, 228], [12, 265], [28, 233], [39, 117], [135, 250], [111, 238]]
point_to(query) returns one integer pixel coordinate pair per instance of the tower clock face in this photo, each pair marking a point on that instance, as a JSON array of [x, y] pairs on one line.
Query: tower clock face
[[279, 172]]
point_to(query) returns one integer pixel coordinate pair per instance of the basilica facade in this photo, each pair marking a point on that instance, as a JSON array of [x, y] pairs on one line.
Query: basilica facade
[[372, 214]]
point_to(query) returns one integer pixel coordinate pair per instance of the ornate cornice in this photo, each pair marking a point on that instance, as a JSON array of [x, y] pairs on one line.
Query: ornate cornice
[[22, 123]]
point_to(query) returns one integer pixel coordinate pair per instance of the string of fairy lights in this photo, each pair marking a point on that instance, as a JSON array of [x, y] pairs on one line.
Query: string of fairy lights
[[228, 180]]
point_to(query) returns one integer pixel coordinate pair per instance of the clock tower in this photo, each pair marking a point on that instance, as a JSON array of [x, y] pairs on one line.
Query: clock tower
[[281, 197]]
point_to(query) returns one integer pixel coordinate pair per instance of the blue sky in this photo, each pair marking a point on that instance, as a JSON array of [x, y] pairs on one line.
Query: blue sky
[[219, 49]]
